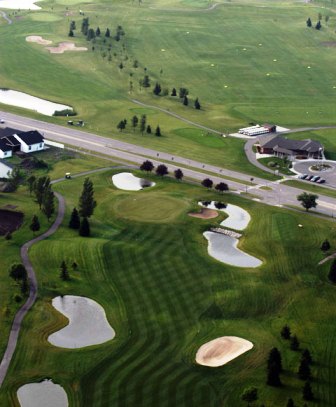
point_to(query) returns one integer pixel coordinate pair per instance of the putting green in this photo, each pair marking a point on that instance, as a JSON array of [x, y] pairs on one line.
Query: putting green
[[47, 17]]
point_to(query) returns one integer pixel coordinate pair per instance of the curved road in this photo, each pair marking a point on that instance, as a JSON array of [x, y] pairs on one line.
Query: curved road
[[5, 16]]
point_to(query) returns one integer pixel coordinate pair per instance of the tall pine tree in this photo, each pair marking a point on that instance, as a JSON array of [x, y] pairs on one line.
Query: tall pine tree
[[74, 222], [86, 200]]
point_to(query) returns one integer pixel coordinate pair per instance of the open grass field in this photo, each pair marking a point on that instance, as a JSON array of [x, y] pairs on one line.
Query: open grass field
[[245, 61], [165, 296]]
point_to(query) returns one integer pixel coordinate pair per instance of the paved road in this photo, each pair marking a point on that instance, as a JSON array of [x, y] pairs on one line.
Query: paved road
[[5, 16], [278, 195]]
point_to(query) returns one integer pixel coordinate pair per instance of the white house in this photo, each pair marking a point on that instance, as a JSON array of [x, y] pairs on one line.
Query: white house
[[5, 149], [30, 141], [4, 169]]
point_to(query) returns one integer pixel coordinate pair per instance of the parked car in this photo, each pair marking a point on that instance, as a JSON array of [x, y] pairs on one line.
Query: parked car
[[314, 179], [321, 181], [303, 176], [310, 177]]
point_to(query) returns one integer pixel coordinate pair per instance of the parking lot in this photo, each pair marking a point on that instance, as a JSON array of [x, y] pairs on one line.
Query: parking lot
[[303, 167]]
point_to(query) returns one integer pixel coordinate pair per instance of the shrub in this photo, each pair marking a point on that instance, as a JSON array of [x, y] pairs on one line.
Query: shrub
[[65, 112]]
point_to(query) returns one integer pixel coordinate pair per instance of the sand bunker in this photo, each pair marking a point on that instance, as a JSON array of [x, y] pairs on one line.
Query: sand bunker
[[20, 99], [42, 394], [65, 46], [238, 218], [224, 248], [87, 323], [205, 213], [38, 39], [20, 4], [222, 350], [128, 182]]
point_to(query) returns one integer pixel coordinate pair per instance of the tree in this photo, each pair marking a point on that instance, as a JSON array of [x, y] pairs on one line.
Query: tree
[[307, 356], [18, 272], [274, 358], [207, 183], [197, 104], [30, 181], [98, 32], [146, 82], [8, 236], [147, 166], [157, 89], [319, 16], [74, 222], [71, 33], [173, 93], [307, 392], [85, 25], [273, 376], [121, 125], [285, 332], [84, 229], [13, 179], [326, 19], [332, 272], [294, 343], [40, 186], [304, 372], [183, 92], [325, 245], [158, 131], [35, 224], [220, 205], [107, 33], [148, 129], [178, 174], [64, 274], [143, 123], [135, 122], [290, 403], [73, 25], [74, 266], [185, 100], [221, 187], [48, 203], [250, 395], [121, 65], [90, 34], [308, 22], [318, 25], [307, 200], [86, 200], [161, 170]]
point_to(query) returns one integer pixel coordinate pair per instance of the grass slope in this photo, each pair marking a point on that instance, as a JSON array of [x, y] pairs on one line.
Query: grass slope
[[165, 296]]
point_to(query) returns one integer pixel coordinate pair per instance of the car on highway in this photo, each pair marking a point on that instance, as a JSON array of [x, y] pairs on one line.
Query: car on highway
[[2, 121]]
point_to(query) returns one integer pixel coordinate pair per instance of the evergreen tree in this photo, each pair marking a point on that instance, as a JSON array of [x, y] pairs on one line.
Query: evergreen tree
[[325, 245], [86, 200], [178, 174], [121, 65], [90, 34], [48, 203], [40, 186], [308, 22], [332, 272], [157, 89], [64, 275], [135, 122], [121, 125], [273, 376], [35, 224], [294, 343], [146, 82], [307, 356], [73, 25], [173, 93], [161, 170], [143, 123], [290, 403], [197, 104], [74, 266], [158, 131], [107, 33], [318, 25], [148, 129], [307, 392], [18, 272], [85, 26], [98, 32], [183, 92], [84, 229], [274, 358], [185, 100], [285, 332], [71, 33], [74, 222], [221, 187], [304, 370]]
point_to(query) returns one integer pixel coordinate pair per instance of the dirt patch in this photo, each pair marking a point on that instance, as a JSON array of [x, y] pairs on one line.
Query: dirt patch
[[10, 206], [328, 44], [10, 221], [205, 213], [65, 46], [38, 40]]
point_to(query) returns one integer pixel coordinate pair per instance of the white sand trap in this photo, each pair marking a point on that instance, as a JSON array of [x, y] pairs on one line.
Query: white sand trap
[[87, 323], [238, 218], [20, 4], [42, 394], [222, 350], [19, 99], [38, 39], [224, 248], [128, 182], [65, 46]]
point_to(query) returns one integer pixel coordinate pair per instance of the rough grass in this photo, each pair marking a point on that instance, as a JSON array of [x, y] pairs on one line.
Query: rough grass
[[165, 296]]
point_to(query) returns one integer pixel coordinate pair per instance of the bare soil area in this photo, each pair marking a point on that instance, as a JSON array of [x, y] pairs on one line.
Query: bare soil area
[[205, 213], [10, 221]]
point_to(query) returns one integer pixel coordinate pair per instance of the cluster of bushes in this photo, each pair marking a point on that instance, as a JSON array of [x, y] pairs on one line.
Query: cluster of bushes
[[65, 112]]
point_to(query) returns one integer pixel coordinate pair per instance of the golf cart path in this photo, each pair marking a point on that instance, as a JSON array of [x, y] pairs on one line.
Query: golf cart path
[[332, 256], [33, 285], [185, 10], [5, 16]]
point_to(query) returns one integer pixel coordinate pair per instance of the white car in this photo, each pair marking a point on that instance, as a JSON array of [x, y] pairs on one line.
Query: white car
[[2, 121]]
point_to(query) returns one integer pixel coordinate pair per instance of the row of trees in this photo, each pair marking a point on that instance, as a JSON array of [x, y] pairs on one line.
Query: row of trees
[[64, 272], [318, 25], [183, 94], [19, 274], [92, 33], [220, 187], [143, 126]]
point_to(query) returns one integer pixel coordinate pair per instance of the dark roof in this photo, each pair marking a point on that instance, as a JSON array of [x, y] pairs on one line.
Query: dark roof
[[8, 131], [31, 137], [279, 143], [11, 141], [4, 146], [6, 164]]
